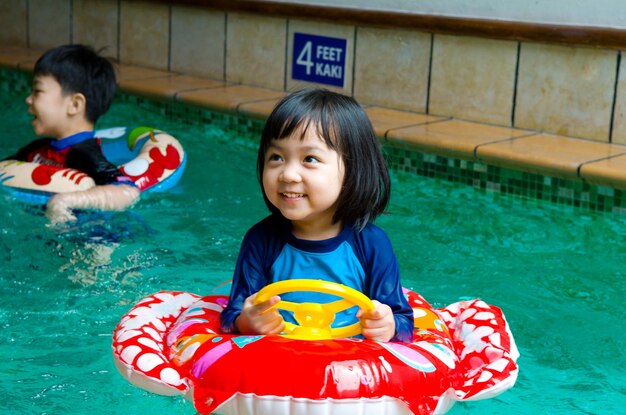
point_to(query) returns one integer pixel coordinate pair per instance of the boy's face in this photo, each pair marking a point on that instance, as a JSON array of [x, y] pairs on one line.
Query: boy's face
[[49, 106]]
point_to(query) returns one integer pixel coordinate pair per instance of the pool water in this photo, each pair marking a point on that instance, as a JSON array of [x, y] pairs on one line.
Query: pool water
[[558, 274]]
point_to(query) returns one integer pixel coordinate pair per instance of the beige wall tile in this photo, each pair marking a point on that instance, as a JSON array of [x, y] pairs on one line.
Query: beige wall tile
[[391, 68], [144, 34], [48, 23], [619, 118], [566, 90], [229, 97], [609, 172], [260, 109], [131, 73], [255, 50], [18, 57], [384, 119], [198, 37], [451, 138], [13, 22], [473, 78], [548, 154], [321, 29], [96, 23], [169, 86]]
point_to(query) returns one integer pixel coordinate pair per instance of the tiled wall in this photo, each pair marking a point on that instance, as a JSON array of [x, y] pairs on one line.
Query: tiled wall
[[566, 90]]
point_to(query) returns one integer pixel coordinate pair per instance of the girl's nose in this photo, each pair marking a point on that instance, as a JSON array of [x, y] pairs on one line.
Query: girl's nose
[[289, 174], [29, 99]]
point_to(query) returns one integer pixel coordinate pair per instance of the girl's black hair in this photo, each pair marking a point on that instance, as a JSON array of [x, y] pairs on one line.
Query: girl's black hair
[[345, 128], [80, 69]]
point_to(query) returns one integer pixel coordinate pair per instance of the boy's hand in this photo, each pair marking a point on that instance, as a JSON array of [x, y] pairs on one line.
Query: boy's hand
[[260, 318], [378, 324], [58, 211]]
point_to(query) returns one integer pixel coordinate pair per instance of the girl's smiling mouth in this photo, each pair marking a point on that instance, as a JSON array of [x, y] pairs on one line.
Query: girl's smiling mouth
[[292, 195]]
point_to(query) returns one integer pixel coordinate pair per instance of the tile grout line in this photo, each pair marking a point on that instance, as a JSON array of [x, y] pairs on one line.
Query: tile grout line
[[615, 89], [515, 83]]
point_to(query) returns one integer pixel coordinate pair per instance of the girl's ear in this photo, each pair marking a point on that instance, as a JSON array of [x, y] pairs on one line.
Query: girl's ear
[[78, 104]]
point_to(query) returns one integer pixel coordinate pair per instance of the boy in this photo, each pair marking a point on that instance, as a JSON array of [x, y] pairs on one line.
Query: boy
[[72, 87]]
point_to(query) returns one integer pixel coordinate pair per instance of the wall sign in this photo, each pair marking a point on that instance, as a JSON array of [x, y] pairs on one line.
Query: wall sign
[[319, 59]]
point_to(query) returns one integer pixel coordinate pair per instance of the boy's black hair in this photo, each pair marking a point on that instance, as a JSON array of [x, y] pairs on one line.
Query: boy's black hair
[[345, 128], [80, 69]]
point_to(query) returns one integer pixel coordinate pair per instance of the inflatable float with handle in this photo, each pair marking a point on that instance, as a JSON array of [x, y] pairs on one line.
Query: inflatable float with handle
[[170, 343], [152, 158]]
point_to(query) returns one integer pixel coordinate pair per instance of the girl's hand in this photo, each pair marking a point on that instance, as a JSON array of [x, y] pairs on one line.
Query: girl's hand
[[260, 318], [378, 324]]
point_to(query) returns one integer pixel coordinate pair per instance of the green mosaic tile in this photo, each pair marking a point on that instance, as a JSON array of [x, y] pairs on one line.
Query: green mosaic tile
[[15, 81], [497, 180], [191, 115]]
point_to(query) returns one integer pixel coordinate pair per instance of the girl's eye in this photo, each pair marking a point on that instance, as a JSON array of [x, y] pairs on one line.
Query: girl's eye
[[311, 159], [274, 157]]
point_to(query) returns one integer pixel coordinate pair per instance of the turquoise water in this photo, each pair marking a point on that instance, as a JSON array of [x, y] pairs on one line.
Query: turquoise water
[[557, 273]]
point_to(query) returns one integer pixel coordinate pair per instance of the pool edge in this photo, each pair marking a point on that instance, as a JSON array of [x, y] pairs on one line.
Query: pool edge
[[560, 169]]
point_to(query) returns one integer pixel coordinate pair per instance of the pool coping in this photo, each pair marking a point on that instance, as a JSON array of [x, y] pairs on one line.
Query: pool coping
[[580, 160]]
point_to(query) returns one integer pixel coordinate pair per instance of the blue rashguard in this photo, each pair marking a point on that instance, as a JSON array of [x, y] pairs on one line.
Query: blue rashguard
[[362, 260]]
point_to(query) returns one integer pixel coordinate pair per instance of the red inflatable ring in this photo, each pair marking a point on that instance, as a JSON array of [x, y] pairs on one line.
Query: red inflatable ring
[[169, 343]]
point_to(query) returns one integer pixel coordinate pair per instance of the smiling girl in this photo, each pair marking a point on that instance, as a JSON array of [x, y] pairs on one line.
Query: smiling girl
[[325, 180]]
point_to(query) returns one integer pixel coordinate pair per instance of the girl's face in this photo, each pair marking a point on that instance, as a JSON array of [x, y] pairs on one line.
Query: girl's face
[[49, 106], [303, 178]]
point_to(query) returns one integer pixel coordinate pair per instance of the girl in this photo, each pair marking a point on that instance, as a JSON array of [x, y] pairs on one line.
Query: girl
[[325, 180]]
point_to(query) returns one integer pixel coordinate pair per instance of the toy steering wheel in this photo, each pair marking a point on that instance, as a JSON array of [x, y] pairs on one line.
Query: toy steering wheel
[[314, 319]]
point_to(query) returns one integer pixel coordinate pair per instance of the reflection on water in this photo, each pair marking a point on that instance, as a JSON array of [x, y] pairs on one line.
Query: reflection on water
[[84, 264], [88, 245]]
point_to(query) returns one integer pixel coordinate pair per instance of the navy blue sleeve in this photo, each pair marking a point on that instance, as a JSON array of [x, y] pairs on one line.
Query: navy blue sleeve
[[87, 157], [24, 153], [251, 271], [383, 278]]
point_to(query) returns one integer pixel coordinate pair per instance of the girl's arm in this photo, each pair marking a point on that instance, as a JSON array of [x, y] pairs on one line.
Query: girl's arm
[[388, 292], [383, 285], [249, 277], [378, 324], [260, 318]]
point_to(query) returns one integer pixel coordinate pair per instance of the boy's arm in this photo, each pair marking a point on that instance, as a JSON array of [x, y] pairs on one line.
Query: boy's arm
[[110, 193], [106, 197]]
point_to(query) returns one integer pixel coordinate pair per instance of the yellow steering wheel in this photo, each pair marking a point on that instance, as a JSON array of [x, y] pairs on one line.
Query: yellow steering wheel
[[314, 319]]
